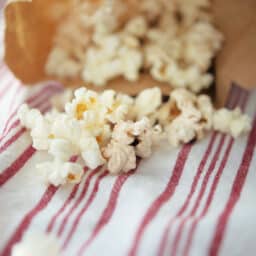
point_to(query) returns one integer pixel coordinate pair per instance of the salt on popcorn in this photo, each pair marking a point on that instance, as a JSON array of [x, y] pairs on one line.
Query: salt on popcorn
[[113, 130]]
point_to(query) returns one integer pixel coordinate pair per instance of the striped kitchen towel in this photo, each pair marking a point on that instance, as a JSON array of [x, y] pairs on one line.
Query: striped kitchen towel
[[195, 200]]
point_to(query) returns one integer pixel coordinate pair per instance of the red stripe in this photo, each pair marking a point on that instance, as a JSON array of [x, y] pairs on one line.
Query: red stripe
[[192, 190], [13, 100], [235, 193], [62, 209], [10, 171], [48, 195], [192, 213], [232, 100], [29, 100], [45, 89], [7, 87], [162, 198], [78, 201], [199, 197], [12, 140], [84, 209], [212, 189], [109, 210], [16, 165], [64, 206]]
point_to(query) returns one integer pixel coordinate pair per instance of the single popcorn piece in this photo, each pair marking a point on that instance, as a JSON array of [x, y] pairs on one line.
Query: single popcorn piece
[[181, 131], [232, 122], [117, 105], [121, 157], [91, 153], [129, 139], [37, 244], [147, 102], [84, 100], [62, 149], [67, 128], [186, 117], [29, 117], [60, 173], [40, 127], [41, 135]]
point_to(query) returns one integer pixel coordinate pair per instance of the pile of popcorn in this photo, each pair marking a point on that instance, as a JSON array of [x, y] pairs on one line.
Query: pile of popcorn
[[173, 41], [114, 130]]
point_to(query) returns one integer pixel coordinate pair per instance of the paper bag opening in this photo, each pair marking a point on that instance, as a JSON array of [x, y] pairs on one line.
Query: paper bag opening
[[30, 28]]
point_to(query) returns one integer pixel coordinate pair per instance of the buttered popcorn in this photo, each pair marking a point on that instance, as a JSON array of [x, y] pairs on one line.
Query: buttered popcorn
[[113, 130], [173, 41]]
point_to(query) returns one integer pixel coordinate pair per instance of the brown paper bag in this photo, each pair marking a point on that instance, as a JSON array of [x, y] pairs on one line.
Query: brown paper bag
[[31, 25]]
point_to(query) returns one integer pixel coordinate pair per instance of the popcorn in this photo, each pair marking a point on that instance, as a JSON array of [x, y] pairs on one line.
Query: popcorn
[[137, 26], [121, 157], [112, 56], [233, 122], [40, 128], [60, 173], [62, 149], [148, 101], [180, 131], [67, 128], [144, 147], [206, 108], [174, 41], [203, 38], [117, 105], [129, 139], [186, 117], [29, 117], [91, 153], [41, 135], [113, 129], [38, 244], [60, 64], [84, 100]]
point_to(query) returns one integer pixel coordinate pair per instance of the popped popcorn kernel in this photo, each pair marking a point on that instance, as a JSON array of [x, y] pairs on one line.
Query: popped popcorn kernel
[[232, 122], [58, 172], [173, 41], [113, 130], [80, 109]]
